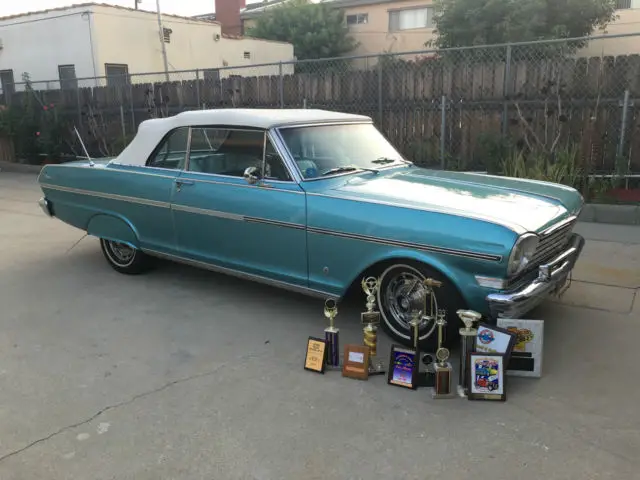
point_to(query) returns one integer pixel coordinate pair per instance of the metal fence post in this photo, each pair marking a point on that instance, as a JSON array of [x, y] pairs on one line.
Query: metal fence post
[[132, 108], [443, 129], [623, 125], [281, 85], [79, 107], [506, 88], [380, 73], [198, 88]]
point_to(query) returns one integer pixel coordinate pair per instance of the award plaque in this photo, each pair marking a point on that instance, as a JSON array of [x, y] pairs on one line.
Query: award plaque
[[371, 319], [493, 339], [467, 344], [486, 376], [356, 362], [403, 367], [332, 334], [526, 356], [443, 369], [316, 355]]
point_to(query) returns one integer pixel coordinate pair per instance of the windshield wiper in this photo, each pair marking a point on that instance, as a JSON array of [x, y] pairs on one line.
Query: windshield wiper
[[348, 168], [387, 160]]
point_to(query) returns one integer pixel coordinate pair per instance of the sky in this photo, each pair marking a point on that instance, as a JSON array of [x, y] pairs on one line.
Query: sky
[[176, 7]]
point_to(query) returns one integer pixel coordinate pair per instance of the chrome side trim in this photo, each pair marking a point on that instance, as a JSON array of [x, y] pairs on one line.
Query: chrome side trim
[[119, 170], [109, 196], [267, 184], [514, 227], [243, 275], [204, 211], [415, 246], [277, 223]]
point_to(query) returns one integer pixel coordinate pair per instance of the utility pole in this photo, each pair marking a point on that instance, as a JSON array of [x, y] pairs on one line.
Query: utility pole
[[161, 35]]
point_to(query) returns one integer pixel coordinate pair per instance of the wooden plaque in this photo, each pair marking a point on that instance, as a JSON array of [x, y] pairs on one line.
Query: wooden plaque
[[316, 355], [355, 363]]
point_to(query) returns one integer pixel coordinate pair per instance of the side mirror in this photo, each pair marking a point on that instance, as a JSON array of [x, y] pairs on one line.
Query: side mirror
[[252, 175]]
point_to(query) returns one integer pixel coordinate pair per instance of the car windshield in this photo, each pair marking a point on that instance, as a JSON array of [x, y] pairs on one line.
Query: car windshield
[[326, 150]]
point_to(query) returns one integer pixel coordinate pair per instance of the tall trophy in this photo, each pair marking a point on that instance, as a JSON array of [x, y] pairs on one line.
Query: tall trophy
[[332, 334], [443, 369], [371, 319], [467, 345]]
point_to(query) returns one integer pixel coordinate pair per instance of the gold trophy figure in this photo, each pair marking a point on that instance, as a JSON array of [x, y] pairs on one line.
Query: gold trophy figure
[[443, 369], [371, 319], [467, 343], [332, 334]]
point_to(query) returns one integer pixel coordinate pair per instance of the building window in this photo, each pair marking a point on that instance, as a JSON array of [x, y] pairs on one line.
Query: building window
[[357, 19], [410, 19], [166, 35], [117, 74], [211, 75], [7, 82], [247, 55], [67, 76]]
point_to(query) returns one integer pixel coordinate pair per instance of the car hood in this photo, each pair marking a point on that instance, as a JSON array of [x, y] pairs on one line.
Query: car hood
[[519, 204]]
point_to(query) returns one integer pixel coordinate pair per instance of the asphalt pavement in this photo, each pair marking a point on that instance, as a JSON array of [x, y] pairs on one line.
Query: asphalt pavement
[[186, 374]]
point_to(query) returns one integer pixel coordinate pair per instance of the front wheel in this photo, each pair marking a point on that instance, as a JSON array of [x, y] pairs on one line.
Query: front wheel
[[397, 298], [125, 259]]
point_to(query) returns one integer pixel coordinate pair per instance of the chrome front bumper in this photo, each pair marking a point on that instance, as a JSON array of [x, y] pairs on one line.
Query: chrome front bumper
[[45, 206], [551, 278]]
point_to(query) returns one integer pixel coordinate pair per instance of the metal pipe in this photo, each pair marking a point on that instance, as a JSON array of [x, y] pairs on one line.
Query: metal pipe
[[623, 125], [443, 128], [162, 45]]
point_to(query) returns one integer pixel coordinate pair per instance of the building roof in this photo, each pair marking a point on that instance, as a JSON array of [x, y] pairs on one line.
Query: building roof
[[150, 132], [95, 4]]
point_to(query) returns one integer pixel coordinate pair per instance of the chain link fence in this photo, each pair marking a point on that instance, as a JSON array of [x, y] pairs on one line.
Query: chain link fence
[[502, 108]]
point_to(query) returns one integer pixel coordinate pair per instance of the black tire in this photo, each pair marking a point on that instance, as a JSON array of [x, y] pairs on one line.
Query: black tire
[[124, 259], [394, 279]]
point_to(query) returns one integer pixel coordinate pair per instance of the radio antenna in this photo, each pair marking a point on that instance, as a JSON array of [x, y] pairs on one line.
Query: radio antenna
[[91, 164]]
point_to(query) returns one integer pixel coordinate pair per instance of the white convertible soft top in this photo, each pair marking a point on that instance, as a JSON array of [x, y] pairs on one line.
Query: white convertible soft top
[[150, 132]]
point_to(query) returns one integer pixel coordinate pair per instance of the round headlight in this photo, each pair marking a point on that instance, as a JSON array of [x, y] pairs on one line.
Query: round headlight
[[522, 253]]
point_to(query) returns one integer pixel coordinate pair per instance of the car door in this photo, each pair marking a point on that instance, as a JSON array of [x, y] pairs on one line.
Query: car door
[[220, 218], [147, 191]]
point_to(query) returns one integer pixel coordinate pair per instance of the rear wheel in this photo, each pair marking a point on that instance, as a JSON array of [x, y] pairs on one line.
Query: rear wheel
[[397, 284], [124, 258]]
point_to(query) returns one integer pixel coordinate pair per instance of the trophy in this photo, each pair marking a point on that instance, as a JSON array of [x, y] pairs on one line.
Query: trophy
[[467, 343], [371, 319], [331, 334], [443, 369]]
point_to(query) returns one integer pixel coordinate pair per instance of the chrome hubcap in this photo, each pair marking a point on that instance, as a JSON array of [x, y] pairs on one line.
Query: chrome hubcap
[[122, 253], [402, 295]]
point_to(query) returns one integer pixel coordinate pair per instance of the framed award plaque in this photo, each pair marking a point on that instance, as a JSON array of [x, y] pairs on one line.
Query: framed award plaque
[[493, 339], [316, 355], [356, 362], [487, 376], [526, 357], [403, 367]]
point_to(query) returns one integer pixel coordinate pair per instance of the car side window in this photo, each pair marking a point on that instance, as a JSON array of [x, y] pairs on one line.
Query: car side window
[[230, 152], [172, 151], [274, 166]]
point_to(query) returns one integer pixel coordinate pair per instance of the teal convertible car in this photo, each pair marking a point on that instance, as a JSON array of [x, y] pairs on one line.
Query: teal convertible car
[[312, 201]]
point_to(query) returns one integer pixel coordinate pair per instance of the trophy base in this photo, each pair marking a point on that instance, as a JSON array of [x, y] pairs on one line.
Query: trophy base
[[442, 387], [437, 396], [377, 368]]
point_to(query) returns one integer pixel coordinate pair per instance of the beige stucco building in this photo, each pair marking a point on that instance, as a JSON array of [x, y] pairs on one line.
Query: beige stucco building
[[391, 26], [66, 47]]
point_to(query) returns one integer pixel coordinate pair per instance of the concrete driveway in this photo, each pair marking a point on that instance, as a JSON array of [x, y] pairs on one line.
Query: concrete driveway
[[185, 374]]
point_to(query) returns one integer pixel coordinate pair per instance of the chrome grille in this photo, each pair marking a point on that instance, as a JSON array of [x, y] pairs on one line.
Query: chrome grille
[[552, 242]]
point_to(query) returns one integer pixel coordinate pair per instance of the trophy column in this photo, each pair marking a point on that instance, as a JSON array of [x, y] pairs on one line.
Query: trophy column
[[467, 345], [332, 334], [443, 369], [371, 320]]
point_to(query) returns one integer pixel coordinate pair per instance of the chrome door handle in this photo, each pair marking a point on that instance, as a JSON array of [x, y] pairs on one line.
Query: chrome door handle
[[181, 181]]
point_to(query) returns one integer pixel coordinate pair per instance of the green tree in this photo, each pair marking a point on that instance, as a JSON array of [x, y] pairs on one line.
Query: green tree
[[316, 30], [463, 23]]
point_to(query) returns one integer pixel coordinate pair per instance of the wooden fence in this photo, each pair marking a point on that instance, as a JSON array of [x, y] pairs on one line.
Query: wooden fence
[[578, 100]]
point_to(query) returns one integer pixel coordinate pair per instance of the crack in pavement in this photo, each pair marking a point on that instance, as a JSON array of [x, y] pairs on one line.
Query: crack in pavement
[[123, 404]]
